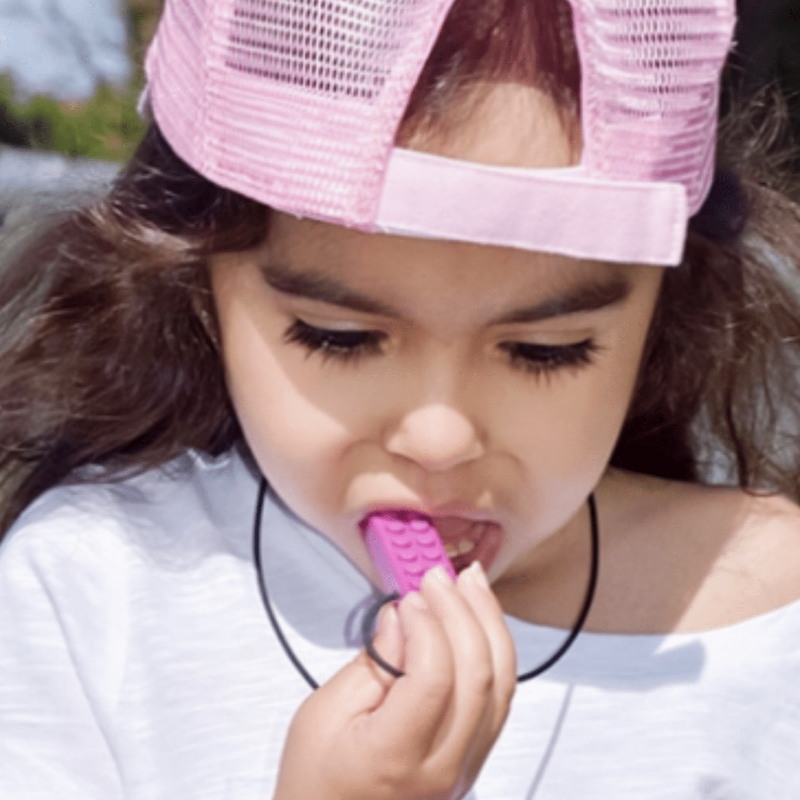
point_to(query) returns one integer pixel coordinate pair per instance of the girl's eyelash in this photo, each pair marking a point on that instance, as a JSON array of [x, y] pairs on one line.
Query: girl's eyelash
[[345, 345], [342, 345], [540, 359]]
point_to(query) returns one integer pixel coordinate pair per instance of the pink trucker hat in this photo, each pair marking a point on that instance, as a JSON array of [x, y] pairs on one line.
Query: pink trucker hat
[[296, 103]]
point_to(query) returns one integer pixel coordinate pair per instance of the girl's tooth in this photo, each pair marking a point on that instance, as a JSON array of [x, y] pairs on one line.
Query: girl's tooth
[[460, 548], [452, 550]]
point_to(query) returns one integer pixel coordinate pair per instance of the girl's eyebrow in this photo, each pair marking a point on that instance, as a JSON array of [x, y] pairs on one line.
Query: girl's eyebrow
[[314, 286], [590, 295]]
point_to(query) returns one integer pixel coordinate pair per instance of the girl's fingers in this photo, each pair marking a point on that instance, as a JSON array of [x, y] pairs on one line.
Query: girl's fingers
[[453, 645], [432, 728], [475, 589], [388, 643], [417, 704], [361, 686], [472, 710]]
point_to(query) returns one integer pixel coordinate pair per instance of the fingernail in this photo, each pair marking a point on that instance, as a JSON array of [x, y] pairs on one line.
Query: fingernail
[[416, 601], [439, 574], [387, 620], [476, 572]]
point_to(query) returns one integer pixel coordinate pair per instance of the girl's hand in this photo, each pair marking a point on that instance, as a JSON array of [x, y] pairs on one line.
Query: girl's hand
[[367, 736]]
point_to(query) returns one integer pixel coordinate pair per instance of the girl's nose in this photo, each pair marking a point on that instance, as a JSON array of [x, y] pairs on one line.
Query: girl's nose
[[437, 437]]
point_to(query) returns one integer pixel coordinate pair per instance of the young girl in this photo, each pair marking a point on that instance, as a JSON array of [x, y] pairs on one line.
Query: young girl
[[487, 317]]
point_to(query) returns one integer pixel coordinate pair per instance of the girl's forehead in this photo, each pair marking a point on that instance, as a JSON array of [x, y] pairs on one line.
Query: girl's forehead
[[399, 276]]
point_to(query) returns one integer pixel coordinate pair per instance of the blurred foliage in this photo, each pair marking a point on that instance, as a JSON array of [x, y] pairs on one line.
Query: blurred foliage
[[107, 126]]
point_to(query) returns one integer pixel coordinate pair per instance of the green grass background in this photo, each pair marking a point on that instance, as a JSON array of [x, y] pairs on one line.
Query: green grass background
[[106, 126]]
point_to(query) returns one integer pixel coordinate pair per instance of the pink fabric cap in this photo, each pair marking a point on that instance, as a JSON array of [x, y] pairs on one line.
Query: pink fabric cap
[[551, 210], [296, 104]]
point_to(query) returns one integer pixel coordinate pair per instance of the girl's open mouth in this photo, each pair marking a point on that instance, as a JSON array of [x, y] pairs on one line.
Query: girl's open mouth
[[464, 540], [467, 540]]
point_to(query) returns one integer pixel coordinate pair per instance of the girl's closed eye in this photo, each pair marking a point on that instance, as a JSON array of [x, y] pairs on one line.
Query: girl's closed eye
[[348, 344], [344, 345], [540, 359]]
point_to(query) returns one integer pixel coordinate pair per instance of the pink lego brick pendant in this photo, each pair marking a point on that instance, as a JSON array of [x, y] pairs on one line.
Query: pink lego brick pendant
[[403, 548]]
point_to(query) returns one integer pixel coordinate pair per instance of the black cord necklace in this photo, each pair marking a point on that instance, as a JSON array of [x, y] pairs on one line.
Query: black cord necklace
[[372, 613]]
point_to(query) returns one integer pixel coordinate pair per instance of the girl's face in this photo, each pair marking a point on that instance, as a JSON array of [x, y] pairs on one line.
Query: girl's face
[[483, 386]]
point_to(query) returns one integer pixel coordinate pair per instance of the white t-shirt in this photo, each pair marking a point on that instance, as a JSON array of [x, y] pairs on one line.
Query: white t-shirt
[[137, 662]]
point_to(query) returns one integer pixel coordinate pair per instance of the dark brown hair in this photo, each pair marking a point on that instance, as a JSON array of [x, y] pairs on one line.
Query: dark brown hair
[[107, 330]]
